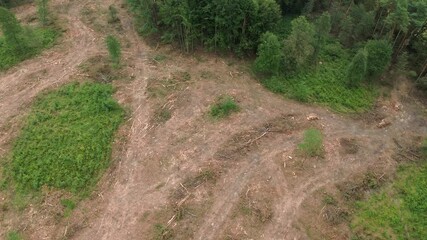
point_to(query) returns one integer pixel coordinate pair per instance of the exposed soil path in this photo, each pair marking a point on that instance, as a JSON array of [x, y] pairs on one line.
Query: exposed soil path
[[157, 158]]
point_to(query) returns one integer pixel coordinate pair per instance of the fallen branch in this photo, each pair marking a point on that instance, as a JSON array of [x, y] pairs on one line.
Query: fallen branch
[[256, 139]]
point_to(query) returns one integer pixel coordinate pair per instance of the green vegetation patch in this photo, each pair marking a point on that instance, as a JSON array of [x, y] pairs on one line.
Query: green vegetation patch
[[68, 205], [224, 107], [13, 236], [38, 39], [66, 141], [325, 85], [312, 144], [398, 211]]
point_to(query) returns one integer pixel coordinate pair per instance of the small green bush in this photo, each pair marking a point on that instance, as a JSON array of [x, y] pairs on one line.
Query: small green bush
[[113, 15], [329, 199], [69, 206], [66, 140], [224, 107], [114, 49], [68, 203], [13, 236], [43, 12], [312, 144]]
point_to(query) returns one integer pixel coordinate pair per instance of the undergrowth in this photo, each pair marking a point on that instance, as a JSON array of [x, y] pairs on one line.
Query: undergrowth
[[224, 107], [399, 211], [13, 236], [66, 140], [312, 144], [40, 38], [325, 84]]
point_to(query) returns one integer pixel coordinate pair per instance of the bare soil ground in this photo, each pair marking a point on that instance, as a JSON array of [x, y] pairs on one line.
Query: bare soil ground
[[178, 174]]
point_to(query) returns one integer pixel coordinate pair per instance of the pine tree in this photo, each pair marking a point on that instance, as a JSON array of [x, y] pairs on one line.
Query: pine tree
[[379, 56], [323, 28], [356, 71], [269, 54], [299, 45]]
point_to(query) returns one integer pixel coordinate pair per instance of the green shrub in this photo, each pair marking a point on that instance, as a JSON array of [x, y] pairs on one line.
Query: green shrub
[[312, 144], [269, 55], [224, 107], [114, 49], [68, 203], [113, 14], [379, 56], [66, 140], [69, 206], [43, 12]]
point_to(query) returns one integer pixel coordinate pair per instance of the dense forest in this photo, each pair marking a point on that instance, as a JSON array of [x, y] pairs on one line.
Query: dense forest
[[290, 37]]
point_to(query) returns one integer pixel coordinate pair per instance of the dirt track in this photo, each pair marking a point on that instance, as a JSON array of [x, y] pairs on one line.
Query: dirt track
[[128, 199]]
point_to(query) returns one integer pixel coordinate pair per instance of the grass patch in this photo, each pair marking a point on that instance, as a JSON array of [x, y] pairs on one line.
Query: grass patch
[[325, 84], [66, 140], [68, 205], [162, 115], [162, 87], [399, 211], [99, 69], [329, 199], [162, 232], [40, 38], [13, 236], [312, 144], [159, 58], [224, 107]]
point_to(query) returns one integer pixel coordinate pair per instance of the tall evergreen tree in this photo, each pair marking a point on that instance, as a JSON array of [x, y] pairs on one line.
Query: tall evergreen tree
[[12, 31], [356, 71], [323, 28], [298, 47], [269, 55], [379, 56]]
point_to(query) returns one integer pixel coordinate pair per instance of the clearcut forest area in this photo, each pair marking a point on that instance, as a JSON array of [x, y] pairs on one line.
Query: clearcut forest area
[[213, 119]]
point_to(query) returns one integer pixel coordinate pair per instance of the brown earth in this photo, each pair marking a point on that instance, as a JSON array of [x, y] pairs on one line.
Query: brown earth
[[260, 187]]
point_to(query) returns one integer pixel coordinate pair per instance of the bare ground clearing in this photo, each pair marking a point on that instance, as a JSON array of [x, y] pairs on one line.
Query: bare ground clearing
[[253, 150]]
